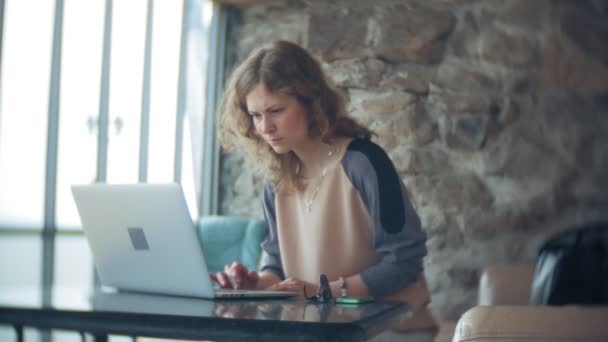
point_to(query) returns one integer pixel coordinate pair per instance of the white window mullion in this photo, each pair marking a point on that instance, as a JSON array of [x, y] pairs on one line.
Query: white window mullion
[[48, 242], [104, 96], [145, 100]]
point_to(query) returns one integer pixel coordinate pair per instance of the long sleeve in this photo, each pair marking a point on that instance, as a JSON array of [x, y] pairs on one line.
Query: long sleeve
[[271, 253], [397, 235]]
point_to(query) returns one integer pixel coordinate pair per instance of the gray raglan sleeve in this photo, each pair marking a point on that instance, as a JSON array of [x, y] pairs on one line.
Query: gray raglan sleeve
[[398, 237], [271, 254]]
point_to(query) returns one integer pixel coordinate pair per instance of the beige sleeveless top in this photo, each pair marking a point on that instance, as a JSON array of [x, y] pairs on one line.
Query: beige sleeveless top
[[345, 232]]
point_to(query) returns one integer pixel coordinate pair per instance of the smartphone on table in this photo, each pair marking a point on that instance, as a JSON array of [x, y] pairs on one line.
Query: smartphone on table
[[354, 300]]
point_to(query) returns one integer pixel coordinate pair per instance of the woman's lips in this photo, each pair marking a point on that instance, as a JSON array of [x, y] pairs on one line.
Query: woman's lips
[[275, 141]]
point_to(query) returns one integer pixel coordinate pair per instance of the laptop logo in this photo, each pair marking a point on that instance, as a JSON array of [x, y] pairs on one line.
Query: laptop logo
[[138, 238]]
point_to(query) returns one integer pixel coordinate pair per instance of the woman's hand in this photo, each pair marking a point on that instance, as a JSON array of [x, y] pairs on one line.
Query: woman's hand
[[295, 285], [235, 310], [236, 276]]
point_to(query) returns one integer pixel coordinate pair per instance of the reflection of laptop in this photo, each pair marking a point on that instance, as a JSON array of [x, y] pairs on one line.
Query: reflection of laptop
[[143, 239], [153, 304]]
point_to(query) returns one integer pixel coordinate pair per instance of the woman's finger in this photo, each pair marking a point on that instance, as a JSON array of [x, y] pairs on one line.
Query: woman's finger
[[235, 278], [224, 280], [237, 274], [218, 279]]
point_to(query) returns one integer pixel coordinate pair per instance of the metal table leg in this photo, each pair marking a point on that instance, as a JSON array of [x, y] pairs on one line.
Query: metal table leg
[[18, 333], [100, 338]]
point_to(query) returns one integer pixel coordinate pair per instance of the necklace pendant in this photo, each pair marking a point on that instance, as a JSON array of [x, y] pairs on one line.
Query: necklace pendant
[[308, 203]]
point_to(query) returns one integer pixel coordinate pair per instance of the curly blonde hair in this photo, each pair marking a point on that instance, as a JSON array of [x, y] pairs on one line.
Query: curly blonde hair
[[283, 66]]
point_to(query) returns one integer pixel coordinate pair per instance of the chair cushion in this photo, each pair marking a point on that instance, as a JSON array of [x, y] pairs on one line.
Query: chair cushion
[[533, 323], [225, 239]]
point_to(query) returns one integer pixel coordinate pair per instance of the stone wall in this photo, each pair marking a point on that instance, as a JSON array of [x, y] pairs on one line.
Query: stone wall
[[494, 112]]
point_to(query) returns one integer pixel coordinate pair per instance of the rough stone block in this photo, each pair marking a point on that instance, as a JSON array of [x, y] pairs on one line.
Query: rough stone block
[[566, 70], [413, 126], [511, 49], [468, 103], [458, 75], [466, 132], [587, 27], [523, 13], [408, 33], [453, 192], [388, 103], [394, 32], [408, 78], [355, 73], [338, 33], [417, 160]]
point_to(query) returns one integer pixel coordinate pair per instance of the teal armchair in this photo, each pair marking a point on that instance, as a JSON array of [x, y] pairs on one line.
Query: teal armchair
[[225, 239]]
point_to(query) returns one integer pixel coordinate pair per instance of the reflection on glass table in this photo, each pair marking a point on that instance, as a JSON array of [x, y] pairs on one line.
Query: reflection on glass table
[[101, 313], [293, 310]]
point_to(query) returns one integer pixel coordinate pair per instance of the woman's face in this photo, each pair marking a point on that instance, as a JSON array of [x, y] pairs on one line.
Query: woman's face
[[280, 119]]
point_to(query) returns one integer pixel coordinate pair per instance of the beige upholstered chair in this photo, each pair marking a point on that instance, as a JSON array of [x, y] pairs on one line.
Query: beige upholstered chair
[[503, 313]]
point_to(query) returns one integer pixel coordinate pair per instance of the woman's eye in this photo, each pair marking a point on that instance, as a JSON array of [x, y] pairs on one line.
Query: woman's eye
[[276, 111]]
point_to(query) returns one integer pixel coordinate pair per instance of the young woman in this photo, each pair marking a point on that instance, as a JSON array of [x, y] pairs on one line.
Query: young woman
[[333, 201]]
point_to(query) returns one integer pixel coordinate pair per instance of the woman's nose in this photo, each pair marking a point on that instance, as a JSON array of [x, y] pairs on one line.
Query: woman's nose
[[267, 125]]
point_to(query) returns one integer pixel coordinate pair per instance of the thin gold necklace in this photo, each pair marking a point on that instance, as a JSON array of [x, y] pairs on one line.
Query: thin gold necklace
[[308, 203]]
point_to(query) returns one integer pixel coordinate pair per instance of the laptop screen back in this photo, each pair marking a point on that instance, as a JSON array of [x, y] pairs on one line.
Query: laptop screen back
[[143, 239]]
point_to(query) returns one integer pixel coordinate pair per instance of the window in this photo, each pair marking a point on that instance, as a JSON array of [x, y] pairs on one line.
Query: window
[[95, 91]]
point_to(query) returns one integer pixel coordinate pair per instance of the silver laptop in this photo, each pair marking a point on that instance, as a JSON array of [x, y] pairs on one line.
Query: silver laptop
[[143, 239]]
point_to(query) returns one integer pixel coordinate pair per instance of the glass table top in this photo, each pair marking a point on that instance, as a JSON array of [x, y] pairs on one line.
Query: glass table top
[[109, 300]]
